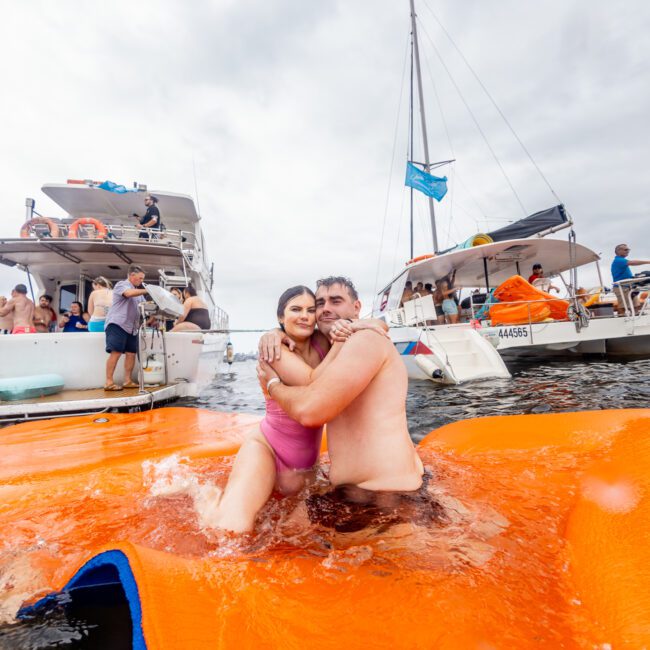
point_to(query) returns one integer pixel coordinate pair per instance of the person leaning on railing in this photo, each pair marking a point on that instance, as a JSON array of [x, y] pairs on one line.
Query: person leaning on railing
[[621, 271]]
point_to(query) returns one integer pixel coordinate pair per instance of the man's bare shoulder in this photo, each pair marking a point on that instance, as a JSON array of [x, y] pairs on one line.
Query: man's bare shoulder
[[367, 342]]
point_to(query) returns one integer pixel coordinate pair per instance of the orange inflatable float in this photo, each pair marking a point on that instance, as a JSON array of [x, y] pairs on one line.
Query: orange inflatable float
[[516, 289], [544, 543], [100, 229], [533, 312]]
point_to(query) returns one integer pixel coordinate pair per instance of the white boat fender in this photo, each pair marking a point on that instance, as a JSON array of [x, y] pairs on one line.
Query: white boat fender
[[428, 366]]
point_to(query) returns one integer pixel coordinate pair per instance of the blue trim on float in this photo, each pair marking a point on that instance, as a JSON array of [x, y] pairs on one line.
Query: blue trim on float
[[110, 567]]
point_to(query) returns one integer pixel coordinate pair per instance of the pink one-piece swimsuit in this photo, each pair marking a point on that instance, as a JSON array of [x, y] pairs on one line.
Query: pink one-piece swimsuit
[[295, 446]]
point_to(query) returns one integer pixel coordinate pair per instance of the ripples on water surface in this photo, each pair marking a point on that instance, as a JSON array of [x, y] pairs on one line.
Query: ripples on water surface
[[535, 387]]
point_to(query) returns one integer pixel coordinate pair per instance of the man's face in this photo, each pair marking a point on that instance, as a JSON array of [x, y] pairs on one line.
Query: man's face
[[333, 303], [624, 251], [147, 201], [136, 279], [43, 302]]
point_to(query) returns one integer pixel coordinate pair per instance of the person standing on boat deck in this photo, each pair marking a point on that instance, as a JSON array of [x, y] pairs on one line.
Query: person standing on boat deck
[[44, 316], [121, 323], [408, 292], [99, 302], [621, 271], [6, 322], [21, 309], [151, 218], [543, 283]]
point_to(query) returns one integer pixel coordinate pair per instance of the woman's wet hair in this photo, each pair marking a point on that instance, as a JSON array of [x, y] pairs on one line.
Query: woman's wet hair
[[289, 295], [191, 290], [103, 282]]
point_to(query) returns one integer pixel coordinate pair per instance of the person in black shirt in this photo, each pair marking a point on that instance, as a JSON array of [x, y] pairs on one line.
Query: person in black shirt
[[151, 218]]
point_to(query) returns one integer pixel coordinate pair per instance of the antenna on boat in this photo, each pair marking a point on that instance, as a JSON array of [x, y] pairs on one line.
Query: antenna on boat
[[415, 58], [196, 187]]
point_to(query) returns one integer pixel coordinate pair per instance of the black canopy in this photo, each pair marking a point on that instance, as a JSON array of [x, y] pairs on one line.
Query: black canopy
[[531, 225]]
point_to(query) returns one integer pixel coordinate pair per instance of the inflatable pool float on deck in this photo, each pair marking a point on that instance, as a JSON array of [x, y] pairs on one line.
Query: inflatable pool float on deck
[[548, 545]]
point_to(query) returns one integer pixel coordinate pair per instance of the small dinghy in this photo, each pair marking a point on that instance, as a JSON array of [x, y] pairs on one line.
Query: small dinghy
[[19, 388]]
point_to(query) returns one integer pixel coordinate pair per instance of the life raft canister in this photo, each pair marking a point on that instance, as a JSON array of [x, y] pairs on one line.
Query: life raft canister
[[420, 258], [100, 229], [25, 230]]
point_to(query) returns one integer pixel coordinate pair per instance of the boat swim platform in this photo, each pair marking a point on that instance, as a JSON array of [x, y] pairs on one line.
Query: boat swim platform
[[94, 400]]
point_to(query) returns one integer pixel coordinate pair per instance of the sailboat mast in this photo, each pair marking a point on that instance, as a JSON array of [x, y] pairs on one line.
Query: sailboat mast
[[414, 31]]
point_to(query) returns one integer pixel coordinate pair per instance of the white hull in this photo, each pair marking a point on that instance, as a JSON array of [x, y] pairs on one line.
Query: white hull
[[613, 336], [192, 360]]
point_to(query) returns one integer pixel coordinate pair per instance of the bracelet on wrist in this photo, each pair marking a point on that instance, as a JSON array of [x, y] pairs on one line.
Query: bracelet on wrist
[[271, 382]]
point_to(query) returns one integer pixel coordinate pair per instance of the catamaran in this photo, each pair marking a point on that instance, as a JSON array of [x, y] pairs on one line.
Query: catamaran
[[533, 323], [98, 237]]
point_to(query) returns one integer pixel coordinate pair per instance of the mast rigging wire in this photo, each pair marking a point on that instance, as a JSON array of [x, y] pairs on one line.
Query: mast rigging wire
[[496, 106], [476, 123], [392, 162]]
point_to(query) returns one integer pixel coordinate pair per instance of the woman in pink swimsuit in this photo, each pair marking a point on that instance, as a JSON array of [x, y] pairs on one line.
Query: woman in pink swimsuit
[[282, 453]]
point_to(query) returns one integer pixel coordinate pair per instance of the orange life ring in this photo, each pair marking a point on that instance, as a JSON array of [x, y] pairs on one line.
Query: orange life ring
[[420, 258], [50, 223], [100, 228]]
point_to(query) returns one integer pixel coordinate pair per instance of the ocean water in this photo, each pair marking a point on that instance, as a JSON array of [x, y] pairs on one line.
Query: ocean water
[[535, 387]]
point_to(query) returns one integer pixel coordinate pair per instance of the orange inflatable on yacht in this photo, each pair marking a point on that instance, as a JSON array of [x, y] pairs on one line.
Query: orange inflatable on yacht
[[544, 542], [516, 289]]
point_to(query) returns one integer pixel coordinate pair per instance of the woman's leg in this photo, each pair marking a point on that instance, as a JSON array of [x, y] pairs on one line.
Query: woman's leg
[[185, 327], [250, 485]]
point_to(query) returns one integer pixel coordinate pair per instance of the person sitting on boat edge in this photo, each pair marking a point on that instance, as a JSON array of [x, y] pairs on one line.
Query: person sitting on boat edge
[[73, 320], [621, 271], [122, 321], [196, 315], [44, 316], [21, 309], [6, 322], [99, 302], [151, 218]]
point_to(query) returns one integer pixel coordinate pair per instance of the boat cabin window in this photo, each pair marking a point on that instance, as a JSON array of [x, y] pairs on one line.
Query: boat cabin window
[[67, 295]]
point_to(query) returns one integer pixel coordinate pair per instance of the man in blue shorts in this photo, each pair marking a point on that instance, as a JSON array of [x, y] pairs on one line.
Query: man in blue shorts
[[122, 326], [621, 271]]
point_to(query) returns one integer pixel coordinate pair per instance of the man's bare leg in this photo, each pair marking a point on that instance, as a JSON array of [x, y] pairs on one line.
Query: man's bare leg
[[111, 364], [129, 363], [249, 487]]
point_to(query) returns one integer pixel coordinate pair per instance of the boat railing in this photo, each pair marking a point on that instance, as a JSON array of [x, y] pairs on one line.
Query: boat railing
[[115, 233], [628, 300]]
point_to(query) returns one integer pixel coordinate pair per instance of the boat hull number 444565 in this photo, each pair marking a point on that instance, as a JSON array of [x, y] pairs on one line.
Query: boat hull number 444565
[[513, 332]]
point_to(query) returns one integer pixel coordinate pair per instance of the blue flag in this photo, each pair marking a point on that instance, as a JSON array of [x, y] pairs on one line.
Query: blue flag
[[109, 186], [425, 183]]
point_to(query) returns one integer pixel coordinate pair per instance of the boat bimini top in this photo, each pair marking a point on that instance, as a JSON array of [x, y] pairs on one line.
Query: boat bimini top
[[87, 200], [489, 265]]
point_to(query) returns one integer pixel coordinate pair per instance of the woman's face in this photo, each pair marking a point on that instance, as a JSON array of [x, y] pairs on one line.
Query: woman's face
[[299, 318], [74, 309]]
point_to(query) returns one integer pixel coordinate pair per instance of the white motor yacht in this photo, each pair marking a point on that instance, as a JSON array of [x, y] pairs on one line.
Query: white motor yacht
[[98, 237]]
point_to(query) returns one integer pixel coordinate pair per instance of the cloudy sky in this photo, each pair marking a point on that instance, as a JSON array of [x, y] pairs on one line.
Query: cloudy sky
[[295, 115]]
